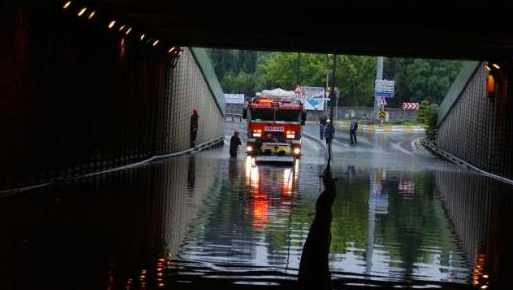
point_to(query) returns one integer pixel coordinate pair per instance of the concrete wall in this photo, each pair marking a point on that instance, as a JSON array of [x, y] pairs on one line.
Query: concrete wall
[[476, 127], [78, 98], [479, 208], [136, 215]]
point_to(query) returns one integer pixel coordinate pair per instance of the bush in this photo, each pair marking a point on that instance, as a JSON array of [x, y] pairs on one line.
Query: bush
[[427, 115]]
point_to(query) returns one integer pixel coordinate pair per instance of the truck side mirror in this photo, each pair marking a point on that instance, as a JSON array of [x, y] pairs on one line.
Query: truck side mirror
[[303, 117], [244, 113]]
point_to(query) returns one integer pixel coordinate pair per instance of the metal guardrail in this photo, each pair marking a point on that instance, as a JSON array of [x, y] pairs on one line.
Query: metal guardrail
[[218, 141]]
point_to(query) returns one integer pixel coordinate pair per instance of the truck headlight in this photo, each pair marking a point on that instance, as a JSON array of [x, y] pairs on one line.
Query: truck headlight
[[297, 151], [249, 148]]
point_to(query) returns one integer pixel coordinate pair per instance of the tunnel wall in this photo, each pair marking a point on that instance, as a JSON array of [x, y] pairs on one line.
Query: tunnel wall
[[475, 126], [479, 208], [136, 216], [77, 97]]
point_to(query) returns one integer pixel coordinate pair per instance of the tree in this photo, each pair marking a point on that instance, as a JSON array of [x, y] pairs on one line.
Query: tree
[[420, 79], [354, 74], [427, 115], [355, 80], [243, 71]]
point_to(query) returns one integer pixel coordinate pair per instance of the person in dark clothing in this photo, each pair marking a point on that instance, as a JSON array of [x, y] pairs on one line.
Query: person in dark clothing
[[329, 132], [194, 127], [234, 144], [322, 125], [352, 131]]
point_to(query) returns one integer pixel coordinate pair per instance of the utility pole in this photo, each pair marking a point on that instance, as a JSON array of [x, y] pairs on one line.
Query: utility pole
[[379, 76], [332, 92], [325, 110], [332, 103], [298, 79]]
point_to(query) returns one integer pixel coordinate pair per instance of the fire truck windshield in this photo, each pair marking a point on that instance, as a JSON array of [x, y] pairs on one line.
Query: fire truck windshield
[[288, 116], [267, 114], [262, 114]]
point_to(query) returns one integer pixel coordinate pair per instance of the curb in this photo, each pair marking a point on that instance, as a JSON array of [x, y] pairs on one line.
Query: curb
[[458, 161], [315, 139], [200, 147], [385, 128]]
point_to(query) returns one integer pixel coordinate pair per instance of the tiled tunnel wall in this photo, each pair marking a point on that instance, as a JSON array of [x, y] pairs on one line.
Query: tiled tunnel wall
[[479, 210], [77, 97], [477, 128], [107, 213]]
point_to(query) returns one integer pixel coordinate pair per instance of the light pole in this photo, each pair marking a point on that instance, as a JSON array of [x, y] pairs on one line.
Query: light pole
[[333, 96], [325, 109], [332, 103], [298, 78], [379, 76]]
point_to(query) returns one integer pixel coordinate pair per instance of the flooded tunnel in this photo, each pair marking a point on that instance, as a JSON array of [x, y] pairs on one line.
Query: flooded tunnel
[[100, 187]]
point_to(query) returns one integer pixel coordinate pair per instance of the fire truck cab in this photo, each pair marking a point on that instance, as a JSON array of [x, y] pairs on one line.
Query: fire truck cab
[[274, 127]]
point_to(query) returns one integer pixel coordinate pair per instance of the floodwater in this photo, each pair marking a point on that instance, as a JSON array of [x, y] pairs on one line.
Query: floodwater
[[211, 222]]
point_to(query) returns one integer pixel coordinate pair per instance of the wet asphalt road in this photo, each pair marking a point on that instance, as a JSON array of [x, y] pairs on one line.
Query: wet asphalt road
[[401, 218]]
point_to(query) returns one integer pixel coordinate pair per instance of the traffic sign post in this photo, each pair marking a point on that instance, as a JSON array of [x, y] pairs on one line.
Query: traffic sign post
[[384, 89], [382, 115], [409, 106]]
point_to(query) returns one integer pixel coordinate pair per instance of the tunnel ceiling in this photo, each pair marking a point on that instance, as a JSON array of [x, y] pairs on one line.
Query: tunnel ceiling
[[442, 29]]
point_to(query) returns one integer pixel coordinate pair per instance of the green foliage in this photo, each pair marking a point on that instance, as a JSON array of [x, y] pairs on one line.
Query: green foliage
[[427, 115], [354, 74], [244, 71], [420, 79], [355, 80], [242, 83]]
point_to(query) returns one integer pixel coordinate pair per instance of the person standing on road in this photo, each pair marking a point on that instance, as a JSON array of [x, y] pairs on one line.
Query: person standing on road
[[194, 127], [234, 144], [322, 125], [352, 131], [329, 132]]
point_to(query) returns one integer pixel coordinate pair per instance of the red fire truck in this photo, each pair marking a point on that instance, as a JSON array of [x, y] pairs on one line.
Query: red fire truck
[[274, 127]]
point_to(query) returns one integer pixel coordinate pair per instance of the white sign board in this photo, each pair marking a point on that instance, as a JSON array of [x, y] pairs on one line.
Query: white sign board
[[234, 98], [314, 98], [384, 89]]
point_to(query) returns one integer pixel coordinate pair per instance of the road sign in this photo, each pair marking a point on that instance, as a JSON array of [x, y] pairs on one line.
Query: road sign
[[382, 114], [383, 101], [384, 89], [410, 106], [234, 98]]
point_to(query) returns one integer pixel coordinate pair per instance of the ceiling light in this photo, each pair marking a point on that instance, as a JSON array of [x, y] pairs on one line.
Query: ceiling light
[[82, 11]]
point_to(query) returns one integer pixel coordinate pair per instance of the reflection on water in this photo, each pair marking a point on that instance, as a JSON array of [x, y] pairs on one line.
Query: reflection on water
[[386, 225], [197, 221], [480, 210]]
